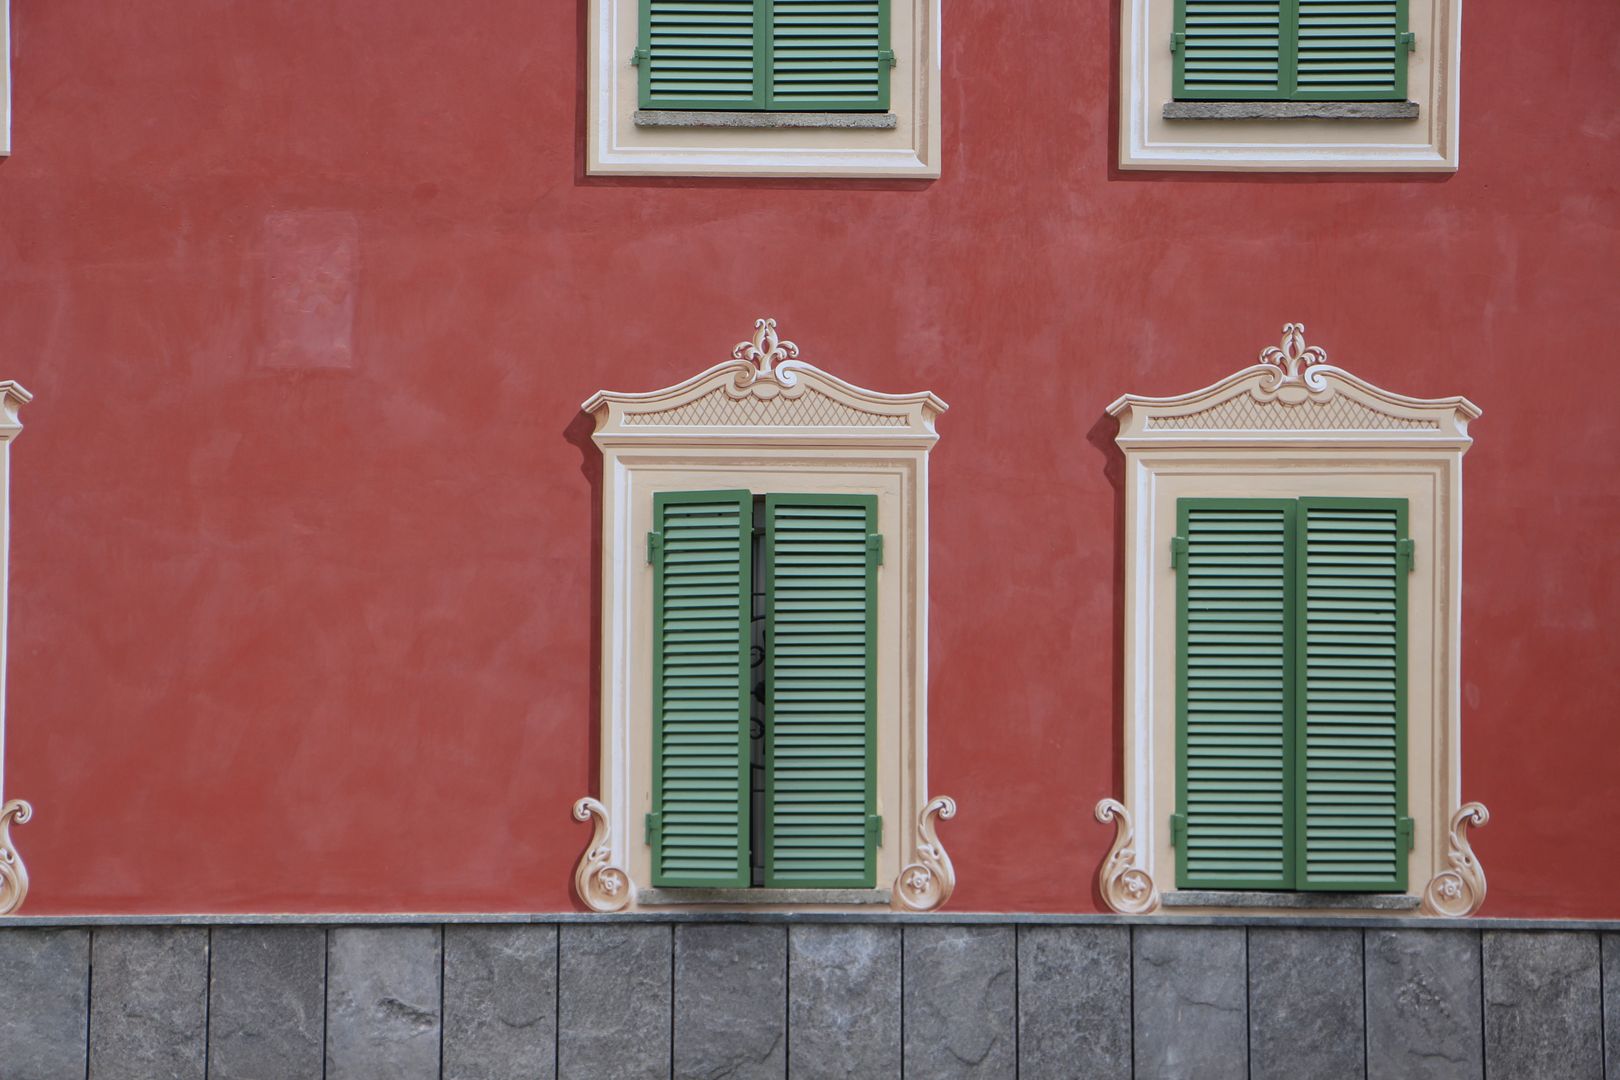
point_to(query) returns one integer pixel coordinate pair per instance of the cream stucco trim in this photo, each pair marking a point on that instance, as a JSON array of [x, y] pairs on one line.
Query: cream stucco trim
[[1293, 426], [615, 145], [1428, 144], [5, 77], [768, 422], [13, 874]]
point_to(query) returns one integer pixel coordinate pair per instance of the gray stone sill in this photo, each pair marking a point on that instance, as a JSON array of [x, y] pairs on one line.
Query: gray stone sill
[[1291, 901], [703, 118], [761, 897], [1291, 110]]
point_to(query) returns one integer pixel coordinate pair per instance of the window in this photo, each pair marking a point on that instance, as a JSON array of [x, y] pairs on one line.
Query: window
[[1290, 694], [764, 724], [825, 88], [1289, 85], [804, 55], [1293, 541]]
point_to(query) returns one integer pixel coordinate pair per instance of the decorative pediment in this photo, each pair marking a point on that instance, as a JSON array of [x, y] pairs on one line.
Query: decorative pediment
[[1293, 393], [764, 391]]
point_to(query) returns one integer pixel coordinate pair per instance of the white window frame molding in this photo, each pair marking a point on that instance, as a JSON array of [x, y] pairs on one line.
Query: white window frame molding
[[1293, 426], [13, 874], [765, 421], [1147, 141], [616, 146], [5, 78]]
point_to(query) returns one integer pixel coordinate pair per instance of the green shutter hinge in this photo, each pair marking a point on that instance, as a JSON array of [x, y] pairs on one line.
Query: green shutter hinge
[[1406, 553], [1178, 829], [655, 827], [1177, 41], [655, 547], [874, 829], [639, 55], [1178, 548], [874, 548], [886, 56], [1404, 835], [1408, 39]]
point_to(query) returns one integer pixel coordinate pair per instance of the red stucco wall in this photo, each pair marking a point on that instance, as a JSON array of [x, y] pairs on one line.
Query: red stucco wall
[[303, 547]]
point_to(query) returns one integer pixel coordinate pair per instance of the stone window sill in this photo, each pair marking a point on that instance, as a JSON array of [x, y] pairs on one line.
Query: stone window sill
[[1209, 898], [761, 897], [696, 118], [1291, 110]]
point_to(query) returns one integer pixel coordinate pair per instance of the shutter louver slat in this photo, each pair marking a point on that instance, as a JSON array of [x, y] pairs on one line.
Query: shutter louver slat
[[820, 691], [1353, 621], [829, 54], [1230, 50], [1235, 683], [701, 637], [700, 54], [1351, 49]]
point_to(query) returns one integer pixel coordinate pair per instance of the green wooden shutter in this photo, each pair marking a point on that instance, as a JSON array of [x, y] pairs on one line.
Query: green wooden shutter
[[829, 54], [702, 555], [1352, 696], [702, 54], [822, 553], [1230, 50], [1352, 50], [1235, 682]]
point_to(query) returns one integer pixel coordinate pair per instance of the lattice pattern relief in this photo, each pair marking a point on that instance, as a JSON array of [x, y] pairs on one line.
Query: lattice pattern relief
[[1338, 413], [720, 409]]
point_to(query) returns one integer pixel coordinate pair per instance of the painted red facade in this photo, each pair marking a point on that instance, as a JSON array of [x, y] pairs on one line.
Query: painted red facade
[[305, 552]]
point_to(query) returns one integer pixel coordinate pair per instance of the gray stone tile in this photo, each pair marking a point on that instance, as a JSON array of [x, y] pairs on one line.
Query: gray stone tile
[[1423, 1005], [1191, 1003], [1543, 1018], [1610, 946], [1305, 1009], [613, 986], [148, 1002], [843, 1002], [1074, 1002], [266, 1002], [960, 1014], [500, 1002], [44, 1003], [730, 1001], [382, 1003]]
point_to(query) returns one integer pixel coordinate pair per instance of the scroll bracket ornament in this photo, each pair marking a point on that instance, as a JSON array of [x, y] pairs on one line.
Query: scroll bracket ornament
[[766, 349], [1459, 891], [600, 885], [926, 884], [1293, 362], [1125, 887], [13, 874]]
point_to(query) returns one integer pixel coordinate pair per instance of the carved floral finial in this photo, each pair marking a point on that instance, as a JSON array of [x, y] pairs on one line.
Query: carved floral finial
[[927, 883], [766, 349], [1460, 891], [13, 874], [1125, 887], [1293, 358], [600, 885]]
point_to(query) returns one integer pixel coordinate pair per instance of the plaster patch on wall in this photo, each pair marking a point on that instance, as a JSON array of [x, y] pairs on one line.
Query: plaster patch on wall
[[311, 280]]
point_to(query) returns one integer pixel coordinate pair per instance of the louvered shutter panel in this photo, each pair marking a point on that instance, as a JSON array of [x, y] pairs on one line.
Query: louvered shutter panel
[[1235, 681], [1352, 50], [1353, 795], [1229, 50], [702, 604], [829, 54], [821, 691], [702, 54]]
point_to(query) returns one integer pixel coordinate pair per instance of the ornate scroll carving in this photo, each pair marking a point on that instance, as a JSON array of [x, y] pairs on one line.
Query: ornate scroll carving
[[926, 884], [1293, 360], [1125, 887], [600, 885], [1460, 891], [766, 349], [13, 874]]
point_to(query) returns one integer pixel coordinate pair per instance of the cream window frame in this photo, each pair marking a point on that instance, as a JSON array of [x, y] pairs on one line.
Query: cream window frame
[[5, 78], [767, 422], [616, 146], [1294, 426], [1427, 144]]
